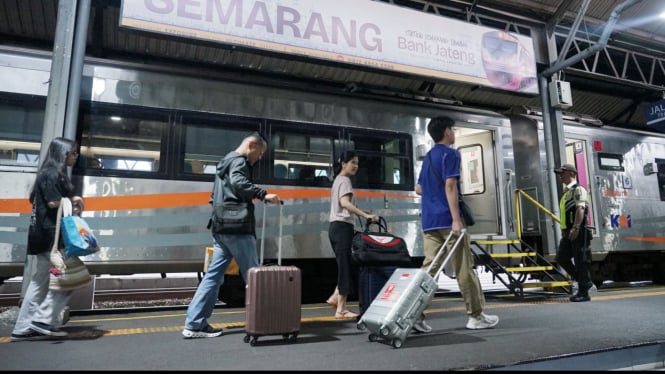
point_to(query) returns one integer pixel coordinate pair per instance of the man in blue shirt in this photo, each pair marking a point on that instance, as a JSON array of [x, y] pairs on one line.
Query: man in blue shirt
[[438, 184]]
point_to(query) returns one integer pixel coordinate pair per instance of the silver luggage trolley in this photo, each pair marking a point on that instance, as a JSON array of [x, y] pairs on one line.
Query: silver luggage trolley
[[402, 300]]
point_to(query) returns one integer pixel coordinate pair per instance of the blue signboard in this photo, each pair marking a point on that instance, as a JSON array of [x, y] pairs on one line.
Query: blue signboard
[[655, 115]]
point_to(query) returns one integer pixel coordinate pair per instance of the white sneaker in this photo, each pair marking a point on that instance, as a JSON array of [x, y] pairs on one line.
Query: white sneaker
[[422, 326], [46, 329], [206, 332], [483, 321]]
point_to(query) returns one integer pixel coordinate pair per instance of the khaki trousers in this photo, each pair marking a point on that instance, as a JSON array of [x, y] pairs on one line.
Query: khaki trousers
[[462, 261]]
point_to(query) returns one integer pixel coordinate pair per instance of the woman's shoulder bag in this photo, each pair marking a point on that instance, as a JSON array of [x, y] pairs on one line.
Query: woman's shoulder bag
[[67, 272]]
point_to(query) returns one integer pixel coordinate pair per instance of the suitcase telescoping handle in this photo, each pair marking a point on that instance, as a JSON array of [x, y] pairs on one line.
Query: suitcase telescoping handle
[[440, 253], [263, 233]]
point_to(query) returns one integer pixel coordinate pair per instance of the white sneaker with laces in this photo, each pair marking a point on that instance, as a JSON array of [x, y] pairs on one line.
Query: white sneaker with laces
[[422, 326], [483, 321], [206, 332]]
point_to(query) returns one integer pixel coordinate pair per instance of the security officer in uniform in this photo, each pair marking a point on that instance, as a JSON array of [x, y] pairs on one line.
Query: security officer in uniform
[[575, 237]]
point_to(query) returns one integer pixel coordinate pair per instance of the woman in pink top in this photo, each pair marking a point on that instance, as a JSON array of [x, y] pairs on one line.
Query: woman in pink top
[[340, 232]]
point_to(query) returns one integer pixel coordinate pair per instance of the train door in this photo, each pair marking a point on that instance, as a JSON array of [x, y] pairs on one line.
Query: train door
[[478, 182], [576, 154], [660, 166]]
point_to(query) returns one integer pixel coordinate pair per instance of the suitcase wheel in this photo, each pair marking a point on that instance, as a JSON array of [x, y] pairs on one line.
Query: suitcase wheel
[[287, 337], [396, 343], [250, 339], [253, 341], [361, 326], [373, 337]]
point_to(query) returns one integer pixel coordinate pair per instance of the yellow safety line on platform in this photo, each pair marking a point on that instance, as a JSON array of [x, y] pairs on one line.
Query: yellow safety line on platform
[[143, 330]]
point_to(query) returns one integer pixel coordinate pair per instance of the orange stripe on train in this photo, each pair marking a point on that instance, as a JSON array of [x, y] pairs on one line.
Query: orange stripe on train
[[119, 202], [653, 239], [171, 200]]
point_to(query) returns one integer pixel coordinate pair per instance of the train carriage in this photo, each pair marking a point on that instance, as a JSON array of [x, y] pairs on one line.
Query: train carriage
[[150, 138], [623, 172]]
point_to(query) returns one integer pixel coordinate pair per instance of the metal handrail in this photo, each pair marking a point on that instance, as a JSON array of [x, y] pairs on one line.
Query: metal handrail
[[514, 284], [533, 201]]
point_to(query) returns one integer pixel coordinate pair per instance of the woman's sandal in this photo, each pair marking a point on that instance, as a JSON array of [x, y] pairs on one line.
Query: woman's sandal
[[347, 314]]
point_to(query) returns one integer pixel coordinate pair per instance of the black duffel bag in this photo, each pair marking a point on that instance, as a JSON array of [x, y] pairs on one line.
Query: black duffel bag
[[379, 248]]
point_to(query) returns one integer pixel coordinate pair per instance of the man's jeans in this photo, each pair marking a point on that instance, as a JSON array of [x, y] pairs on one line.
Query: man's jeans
[[225, 248]]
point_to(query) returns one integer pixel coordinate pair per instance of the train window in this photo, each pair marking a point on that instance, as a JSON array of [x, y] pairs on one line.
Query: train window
[[471, 167], [205, 145], [121, 140], [610, 161], [384, 160], [302, 157], [21, 124]]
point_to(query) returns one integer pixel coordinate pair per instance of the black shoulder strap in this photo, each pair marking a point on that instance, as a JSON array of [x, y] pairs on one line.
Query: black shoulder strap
[[570, 193], [572, 196]]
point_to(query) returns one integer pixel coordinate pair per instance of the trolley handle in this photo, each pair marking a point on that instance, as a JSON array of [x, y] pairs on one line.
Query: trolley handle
[[441, 251], [263, 233]]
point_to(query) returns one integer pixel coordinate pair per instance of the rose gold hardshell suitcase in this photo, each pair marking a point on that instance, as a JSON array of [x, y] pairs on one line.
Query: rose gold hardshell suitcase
[[402, 300], [273, 297]]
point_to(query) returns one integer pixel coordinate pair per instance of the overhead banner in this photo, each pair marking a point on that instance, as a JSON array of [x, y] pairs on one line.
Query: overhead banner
[[373, 34]]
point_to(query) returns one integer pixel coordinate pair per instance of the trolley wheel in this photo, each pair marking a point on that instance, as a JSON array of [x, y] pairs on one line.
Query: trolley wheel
[[293, 338], [396, 343], [373, 337], [246, 339], [253, 341], [361, 326]]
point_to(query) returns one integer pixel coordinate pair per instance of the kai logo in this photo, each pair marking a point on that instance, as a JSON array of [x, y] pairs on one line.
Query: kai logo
[[620, 220]]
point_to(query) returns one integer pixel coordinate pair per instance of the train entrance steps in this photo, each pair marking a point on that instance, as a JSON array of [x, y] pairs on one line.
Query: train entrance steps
[[520, 269]]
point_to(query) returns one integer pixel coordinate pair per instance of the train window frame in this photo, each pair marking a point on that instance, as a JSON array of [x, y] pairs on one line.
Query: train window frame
[[242, 125], [306, 131], [610, 161], [24, 146], [465, 189], [404, 157], [134, 113]]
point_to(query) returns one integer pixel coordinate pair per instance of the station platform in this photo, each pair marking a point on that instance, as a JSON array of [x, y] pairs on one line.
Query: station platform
[[622, 328]]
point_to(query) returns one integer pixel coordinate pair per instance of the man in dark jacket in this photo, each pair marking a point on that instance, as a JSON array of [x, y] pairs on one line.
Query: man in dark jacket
[[235, 174]]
